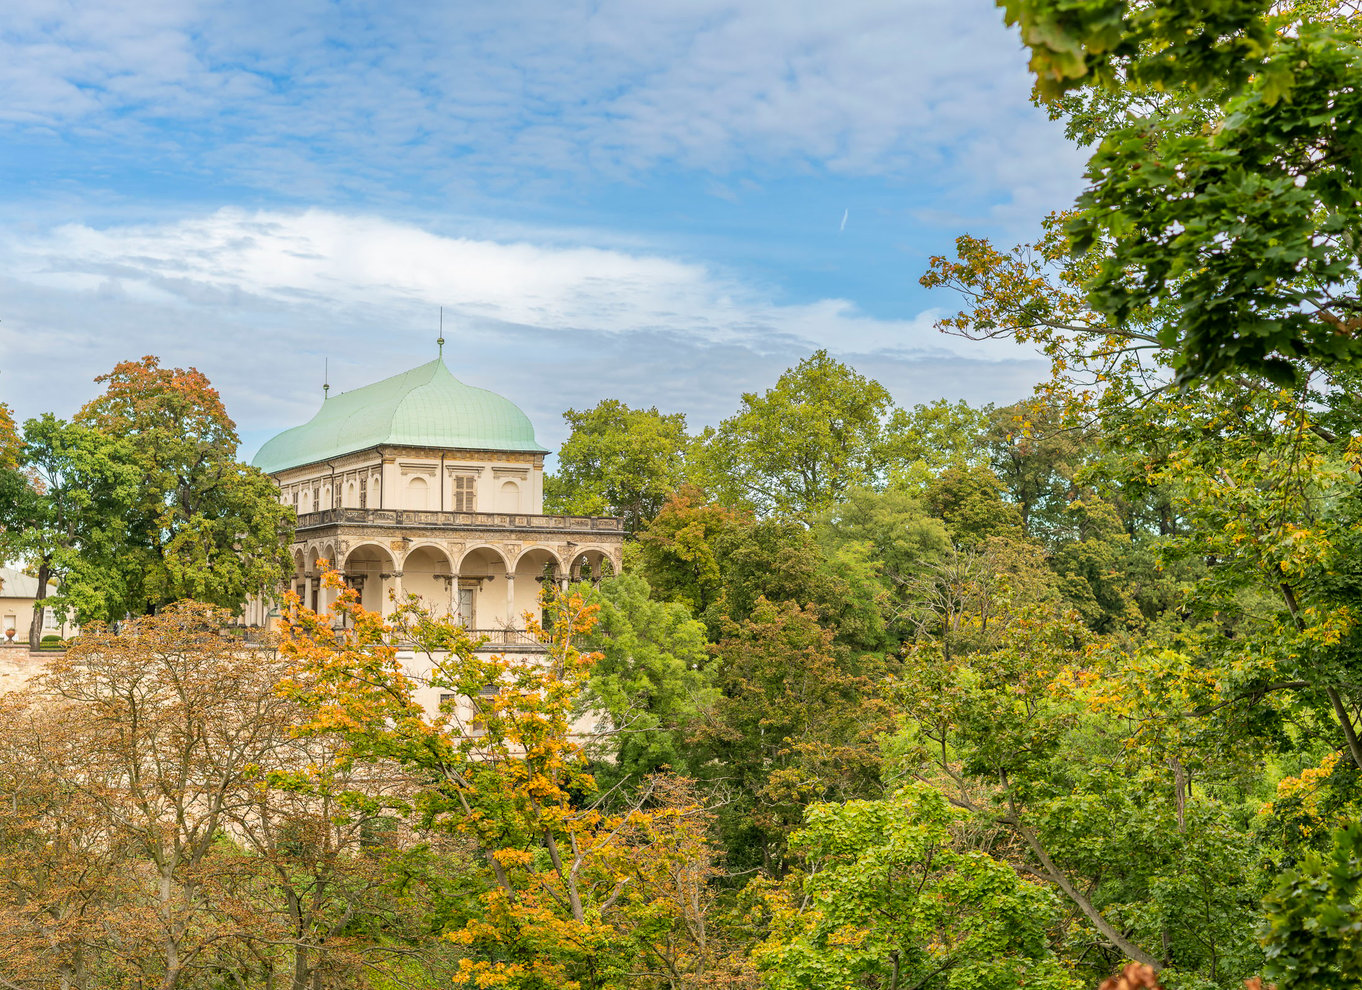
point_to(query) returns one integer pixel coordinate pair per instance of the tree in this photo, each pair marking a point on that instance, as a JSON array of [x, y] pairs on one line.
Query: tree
[[933, 436], [11, 447], [970, 501], [796, 723], [619, 461], [1082, 756], [650, 682], [798, 447], [1312, 925], [1232, 221], [1036, 451], [569, 894], [890, 899], [203, 525], [676, 551], [69, 521], [164, 825]]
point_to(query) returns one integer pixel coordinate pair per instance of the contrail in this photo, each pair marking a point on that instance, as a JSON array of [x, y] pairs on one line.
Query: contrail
[[844, 220]]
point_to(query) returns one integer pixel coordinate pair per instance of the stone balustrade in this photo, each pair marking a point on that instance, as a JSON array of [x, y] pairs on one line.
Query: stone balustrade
[[432, 519]]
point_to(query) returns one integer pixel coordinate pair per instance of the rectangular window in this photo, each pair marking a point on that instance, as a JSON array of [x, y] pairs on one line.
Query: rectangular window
[[465, 493], [363, 494], [476, 725], [316, 498]]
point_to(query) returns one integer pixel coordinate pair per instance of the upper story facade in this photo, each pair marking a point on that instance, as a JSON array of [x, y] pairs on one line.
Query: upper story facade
[[421, 440]]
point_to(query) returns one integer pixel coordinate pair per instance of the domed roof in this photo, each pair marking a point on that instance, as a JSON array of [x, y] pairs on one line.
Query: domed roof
[[424, 407]]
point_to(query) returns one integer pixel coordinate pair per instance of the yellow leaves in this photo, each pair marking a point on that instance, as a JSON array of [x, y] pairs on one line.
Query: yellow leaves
[[847, 937], [514, 857]]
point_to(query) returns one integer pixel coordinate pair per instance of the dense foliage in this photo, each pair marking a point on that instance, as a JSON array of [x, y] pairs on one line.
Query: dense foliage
[[887, 699]]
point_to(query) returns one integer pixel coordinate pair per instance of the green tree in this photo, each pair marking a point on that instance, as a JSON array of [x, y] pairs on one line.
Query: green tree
[[970, 501], [68, 522], [798, 447], [933, 436], [619, 461], [1036, 450], [894, 538], [890, 899], [796, 722], [1312, 925], [725, 562], [202, 525], [1230, 214], [650, 682], [1082, 756]]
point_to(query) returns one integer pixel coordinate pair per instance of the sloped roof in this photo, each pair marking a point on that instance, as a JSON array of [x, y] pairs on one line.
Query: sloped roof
[[16, 584], [424, 407]]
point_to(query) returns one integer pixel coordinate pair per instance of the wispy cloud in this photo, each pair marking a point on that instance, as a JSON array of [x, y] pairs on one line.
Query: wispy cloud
[[258, 299], [315, 99]]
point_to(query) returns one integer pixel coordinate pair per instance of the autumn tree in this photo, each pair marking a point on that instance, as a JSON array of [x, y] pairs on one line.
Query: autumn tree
[[676, 551], [202, 525], [565, 883], [619, 461], [137, 749]]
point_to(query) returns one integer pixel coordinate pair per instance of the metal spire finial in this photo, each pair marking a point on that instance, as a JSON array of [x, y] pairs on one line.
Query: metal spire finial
[[326, 377], [441, 339]]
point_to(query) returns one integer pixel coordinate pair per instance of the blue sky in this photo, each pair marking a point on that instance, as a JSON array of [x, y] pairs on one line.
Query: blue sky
[[666, 202]]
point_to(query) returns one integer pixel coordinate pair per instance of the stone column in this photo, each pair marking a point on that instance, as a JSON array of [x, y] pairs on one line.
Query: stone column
[[510, 600], [454, 596], [397, 593]]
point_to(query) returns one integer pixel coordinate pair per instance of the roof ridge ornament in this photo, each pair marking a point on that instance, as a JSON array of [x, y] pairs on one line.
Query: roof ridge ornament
[[440, 341]]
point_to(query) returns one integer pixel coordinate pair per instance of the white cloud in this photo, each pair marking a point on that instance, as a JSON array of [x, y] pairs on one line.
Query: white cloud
[[327, 259], [313, 98], [258, 299]]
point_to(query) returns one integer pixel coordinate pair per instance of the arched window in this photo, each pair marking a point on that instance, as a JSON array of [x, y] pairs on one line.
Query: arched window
[[418, 494]]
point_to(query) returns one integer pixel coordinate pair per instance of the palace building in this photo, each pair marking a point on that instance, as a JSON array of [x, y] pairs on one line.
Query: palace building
[[422, 484]]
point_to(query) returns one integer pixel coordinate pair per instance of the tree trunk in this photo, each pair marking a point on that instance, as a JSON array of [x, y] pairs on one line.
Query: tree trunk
[[35, 628]]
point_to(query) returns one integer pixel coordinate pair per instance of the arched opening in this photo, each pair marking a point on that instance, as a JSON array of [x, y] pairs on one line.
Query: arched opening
[[428, 572], [591, 565], [483, 600], [299, 574], [538, 570], [369, 569], [508, 499], [418, 493]]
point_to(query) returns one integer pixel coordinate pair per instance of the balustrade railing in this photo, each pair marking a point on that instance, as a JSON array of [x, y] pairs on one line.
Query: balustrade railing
[[519, 638], [460, 520]]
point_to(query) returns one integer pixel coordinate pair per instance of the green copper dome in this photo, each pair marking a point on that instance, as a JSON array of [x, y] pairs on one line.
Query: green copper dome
[[424, 407]]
